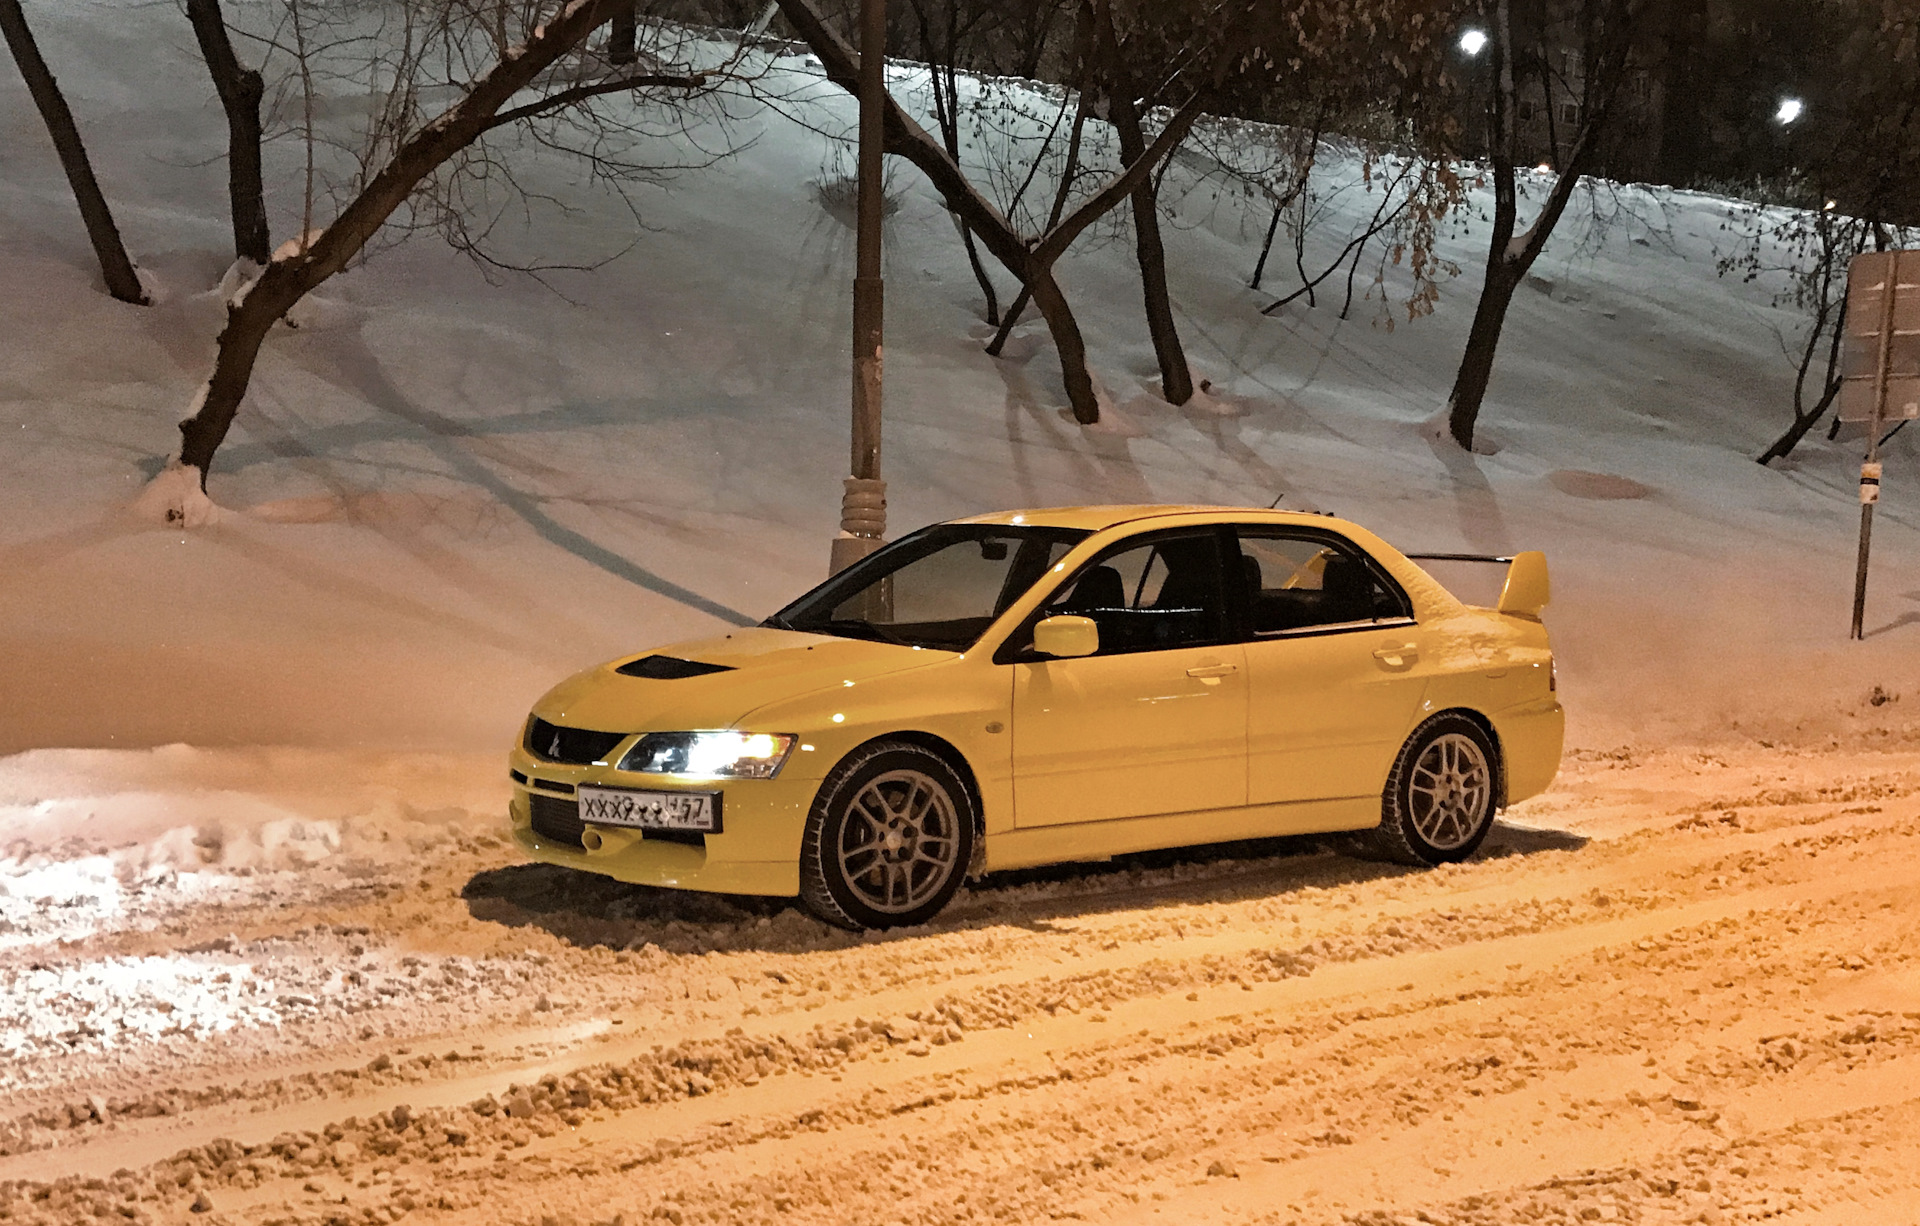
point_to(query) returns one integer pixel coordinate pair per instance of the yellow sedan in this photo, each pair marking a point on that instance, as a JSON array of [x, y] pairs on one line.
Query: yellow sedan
[[1044, 686]]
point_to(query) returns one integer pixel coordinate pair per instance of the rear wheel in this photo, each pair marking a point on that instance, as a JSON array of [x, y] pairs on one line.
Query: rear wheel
[[1441, 794], [889, 839]]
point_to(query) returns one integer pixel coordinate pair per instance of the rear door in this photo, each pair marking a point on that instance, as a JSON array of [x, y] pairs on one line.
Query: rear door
[[1156, 722], [1333, 661]]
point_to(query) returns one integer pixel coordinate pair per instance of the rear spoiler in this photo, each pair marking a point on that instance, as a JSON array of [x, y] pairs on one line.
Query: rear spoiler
[[1528, 589]]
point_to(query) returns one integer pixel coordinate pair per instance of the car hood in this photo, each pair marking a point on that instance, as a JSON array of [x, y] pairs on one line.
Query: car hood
[[762, 665]]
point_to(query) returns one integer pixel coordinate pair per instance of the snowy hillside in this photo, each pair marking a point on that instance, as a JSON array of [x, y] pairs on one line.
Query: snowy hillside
[[444, 493]]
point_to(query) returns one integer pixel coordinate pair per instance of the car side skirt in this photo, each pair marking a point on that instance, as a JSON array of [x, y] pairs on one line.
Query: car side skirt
[[1083, 841]]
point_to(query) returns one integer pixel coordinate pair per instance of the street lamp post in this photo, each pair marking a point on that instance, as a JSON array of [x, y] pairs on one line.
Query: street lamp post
[[863, 502]]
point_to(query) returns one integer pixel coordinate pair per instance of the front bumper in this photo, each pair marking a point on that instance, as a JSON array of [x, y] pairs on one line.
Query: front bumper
[[757, 852]]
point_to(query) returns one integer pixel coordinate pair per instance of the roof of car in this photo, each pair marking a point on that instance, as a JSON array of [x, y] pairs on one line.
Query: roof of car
[[1096, 518]]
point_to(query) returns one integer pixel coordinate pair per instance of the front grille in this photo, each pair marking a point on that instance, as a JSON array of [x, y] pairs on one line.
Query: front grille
[[556, 819], [577, 746]]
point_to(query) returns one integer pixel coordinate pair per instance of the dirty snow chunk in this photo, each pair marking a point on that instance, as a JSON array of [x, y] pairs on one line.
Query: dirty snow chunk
[[174, 497], [44, 899], [52, 1010], [41, 898], [117, 1001]]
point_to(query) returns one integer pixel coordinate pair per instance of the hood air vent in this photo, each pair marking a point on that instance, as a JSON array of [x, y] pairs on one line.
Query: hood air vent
[[667, 668]]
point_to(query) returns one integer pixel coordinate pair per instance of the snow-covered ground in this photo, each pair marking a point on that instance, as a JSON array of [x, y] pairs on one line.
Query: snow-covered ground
[[252, 764]]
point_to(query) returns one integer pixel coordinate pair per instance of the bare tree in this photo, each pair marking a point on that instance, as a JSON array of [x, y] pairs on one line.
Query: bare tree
[[944, 26], [1600, 36], [1819, 244], [1303, 155], [115, 267], [1031, 260], [406, 156], [240, 90]]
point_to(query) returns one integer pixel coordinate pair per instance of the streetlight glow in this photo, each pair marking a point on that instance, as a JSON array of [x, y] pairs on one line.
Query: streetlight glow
[[1790, 110], [1473, 42]]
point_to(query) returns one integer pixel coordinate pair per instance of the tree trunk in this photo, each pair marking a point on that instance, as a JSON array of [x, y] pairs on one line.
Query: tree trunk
[[270, 298], [1476, 364], [1510, 253], [115, 267], [240, 90], [623, 38], [1260, 265], [1070, 346], [287, 280], [1783, 446], [1176, 380]]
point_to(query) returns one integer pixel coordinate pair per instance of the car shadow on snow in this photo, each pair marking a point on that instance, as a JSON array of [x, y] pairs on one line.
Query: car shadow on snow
[[588, 910]]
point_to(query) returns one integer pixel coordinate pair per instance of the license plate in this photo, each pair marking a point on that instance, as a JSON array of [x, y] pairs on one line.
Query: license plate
[[696, 811]]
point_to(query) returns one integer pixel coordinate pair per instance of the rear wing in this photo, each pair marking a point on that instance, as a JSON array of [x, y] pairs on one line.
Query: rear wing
[[1527, 589]]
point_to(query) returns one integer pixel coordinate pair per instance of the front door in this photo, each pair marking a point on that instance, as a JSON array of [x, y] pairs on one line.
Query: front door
[[1334, 667], [1155, 722]]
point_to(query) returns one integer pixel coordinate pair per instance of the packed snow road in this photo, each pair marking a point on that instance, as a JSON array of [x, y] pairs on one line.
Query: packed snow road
[[1681, 987]]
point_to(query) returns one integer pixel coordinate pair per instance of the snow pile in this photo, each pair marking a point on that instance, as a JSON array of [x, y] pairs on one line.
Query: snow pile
[[174, 497], [102, 840], [118, 1002]]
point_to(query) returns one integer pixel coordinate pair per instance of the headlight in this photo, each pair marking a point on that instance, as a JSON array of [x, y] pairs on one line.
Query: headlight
[[709, 755]]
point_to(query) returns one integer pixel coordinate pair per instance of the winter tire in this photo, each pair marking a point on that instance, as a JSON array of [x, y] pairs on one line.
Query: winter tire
[[1441, 794], [888, 840]]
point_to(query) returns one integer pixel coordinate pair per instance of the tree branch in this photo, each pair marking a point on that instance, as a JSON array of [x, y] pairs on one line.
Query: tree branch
[[580, 93]]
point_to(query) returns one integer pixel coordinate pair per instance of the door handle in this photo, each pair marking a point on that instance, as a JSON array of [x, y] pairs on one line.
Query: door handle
[[1213, 670], [1398, 657]]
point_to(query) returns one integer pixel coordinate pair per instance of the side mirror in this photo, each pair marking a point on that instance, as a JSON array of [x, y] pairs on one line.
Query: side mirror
[[1527, 590], [1066, 636]]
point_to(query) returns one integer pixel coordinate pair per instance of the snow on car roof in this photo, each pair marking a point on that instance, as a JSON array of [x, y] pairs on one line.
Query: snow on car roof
[[1095, 518]]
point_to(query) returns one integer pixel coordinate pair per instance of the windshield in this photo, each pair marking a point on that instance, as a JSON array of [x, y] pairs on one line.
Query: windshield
[[940, 587]]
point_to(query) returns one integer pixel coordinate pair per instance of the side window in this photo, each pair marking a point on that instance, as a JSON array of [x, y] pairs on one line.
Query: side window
[[1309, 582], [1152, 596]]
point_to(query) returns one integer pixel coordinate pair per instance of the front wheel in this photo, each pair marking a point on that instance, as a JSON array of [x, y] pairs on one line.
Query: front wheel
[[1441, 794], [889, 839]]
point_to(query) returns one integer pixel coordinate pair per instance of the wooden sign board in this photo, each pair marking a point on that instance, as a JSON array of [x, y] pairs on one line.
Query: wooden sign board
[[1872, 349]]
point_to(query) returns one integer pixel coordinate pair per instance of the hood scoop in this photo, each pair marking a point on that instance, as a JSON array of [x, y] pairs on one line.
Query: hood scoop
[[668, 668]]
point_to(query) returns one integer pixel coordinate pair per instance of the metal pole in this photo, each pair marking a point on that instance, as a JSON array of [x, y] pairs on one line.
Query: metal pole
[[863, 504], [1870, 468]]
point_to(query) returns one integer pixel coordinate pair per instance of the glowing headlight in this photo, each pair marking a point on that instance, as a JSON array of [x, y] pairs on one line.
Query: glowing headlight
[[709, 755]]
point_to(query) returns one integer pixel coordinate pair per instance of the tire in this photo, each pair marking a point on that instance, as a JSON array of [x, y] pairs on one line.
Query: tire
[[888, 840], [1441, 794]]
